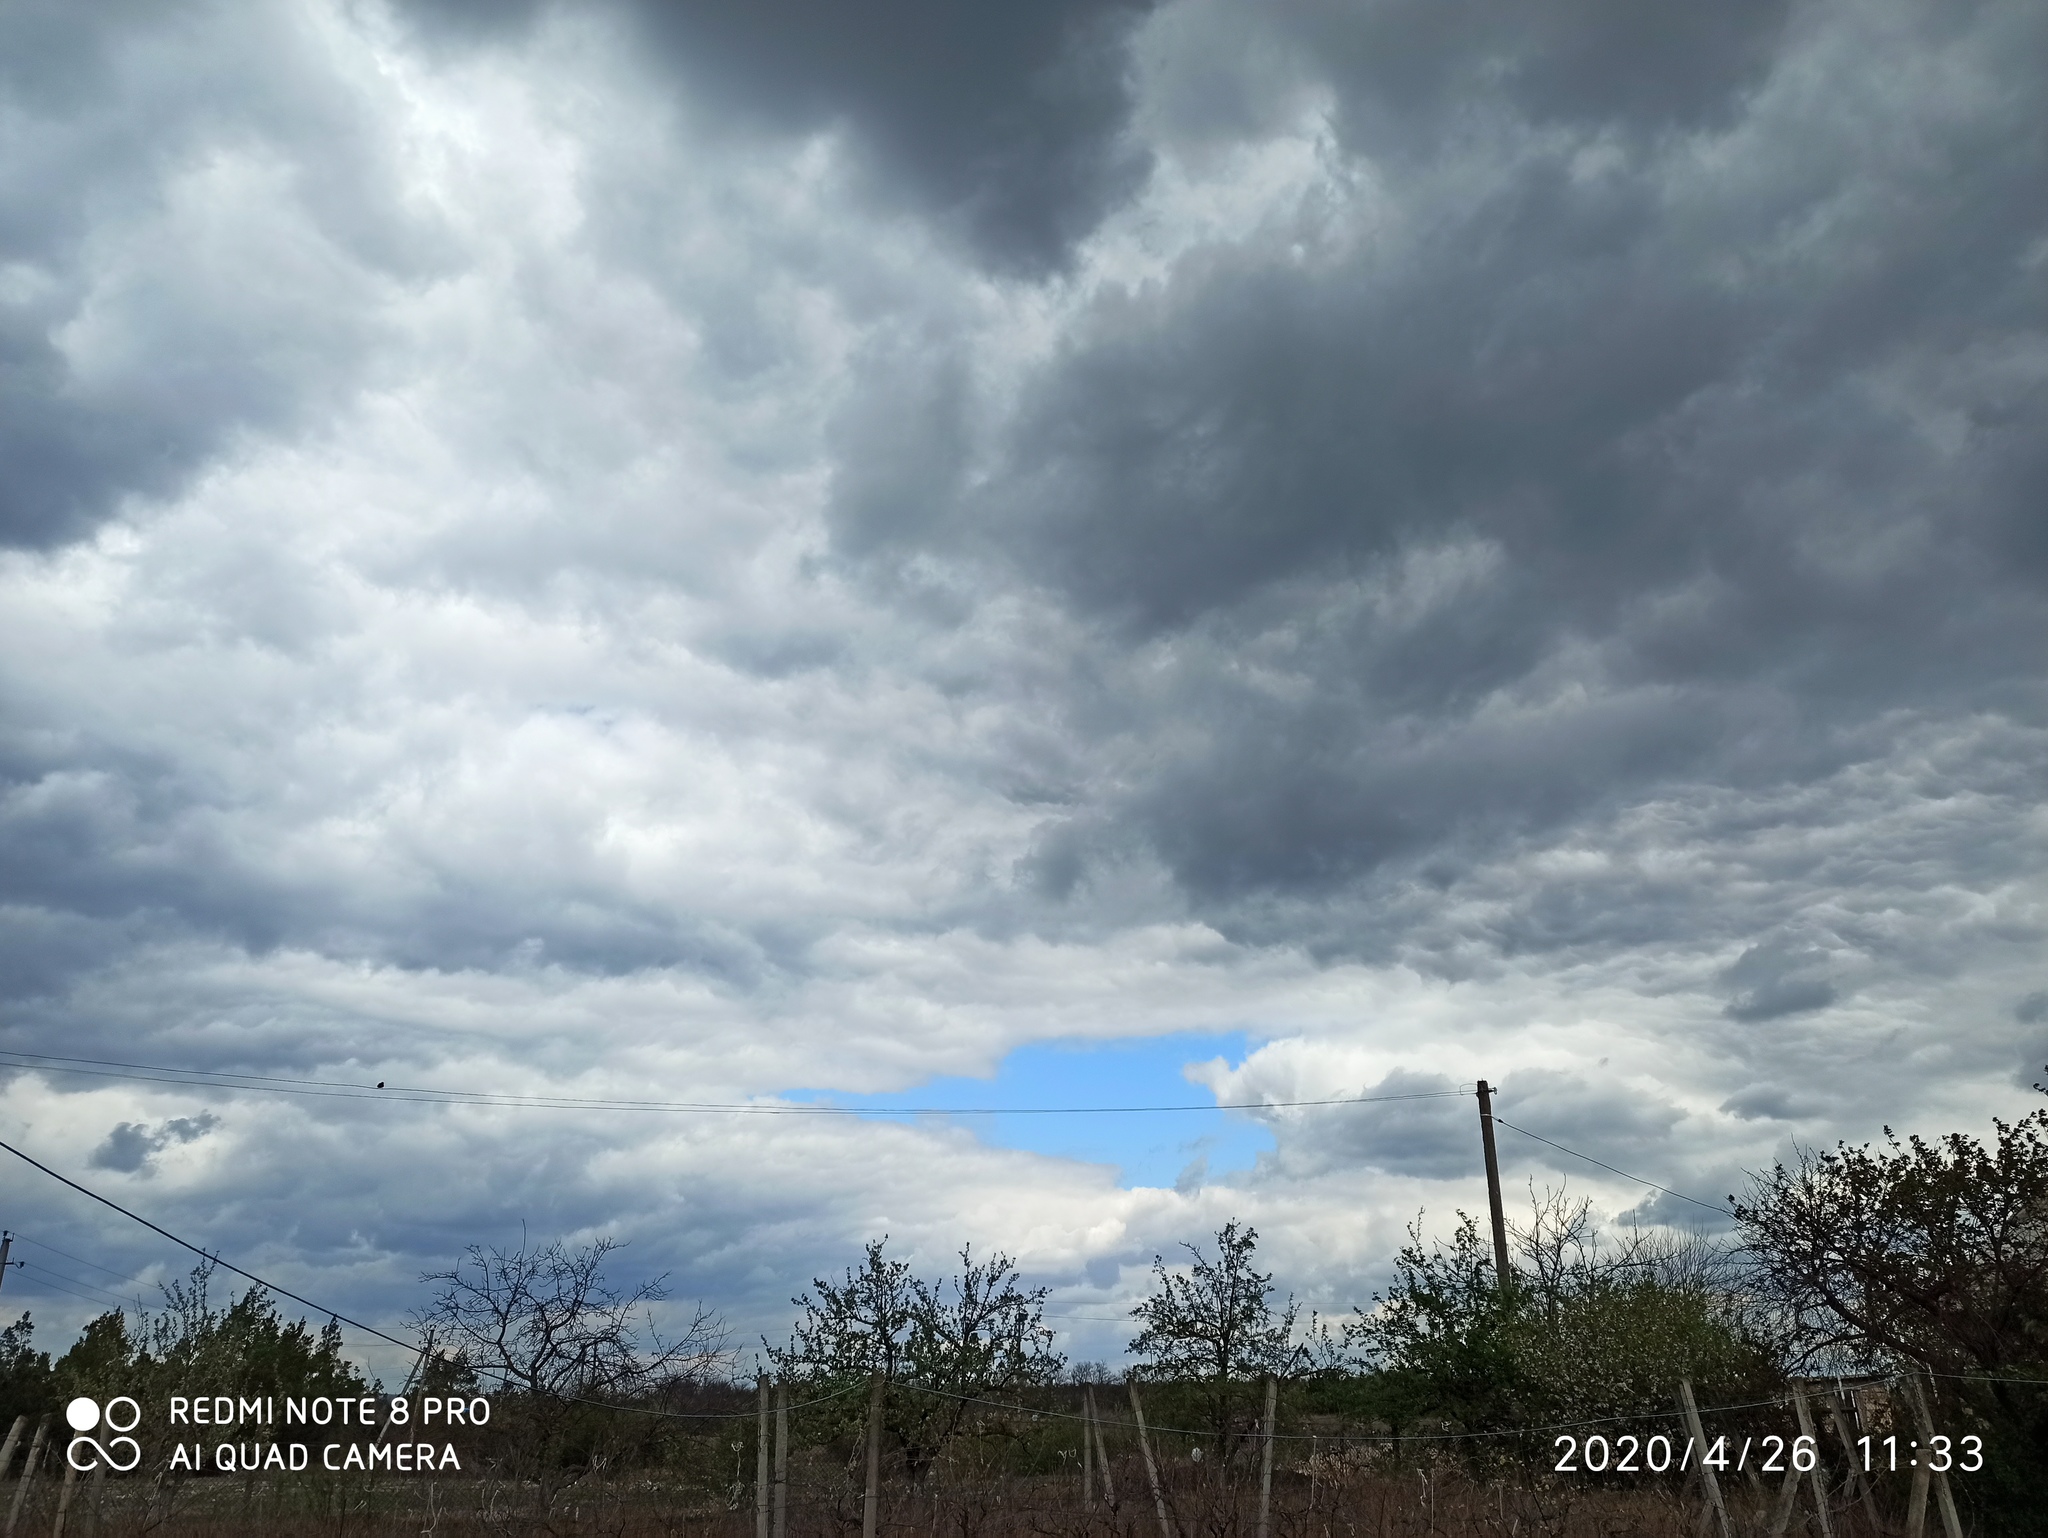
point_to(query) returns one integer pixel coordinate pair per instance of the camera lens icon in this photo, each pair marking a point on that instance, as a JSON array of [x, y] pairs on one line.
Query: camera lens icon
[[83, 1415]]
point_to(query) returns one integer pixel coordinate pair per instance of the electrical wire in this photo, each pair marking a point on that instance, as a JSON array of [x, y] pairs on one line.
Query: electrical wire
[[1624, 1174], [208, 1255], [45, 1277], [340, 1089], [411, 1348], [79, 1259]]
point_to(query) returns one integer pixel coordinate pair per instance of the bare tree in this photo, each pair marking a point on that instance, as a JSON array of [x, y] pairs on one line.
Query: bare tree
[[545, 1326]]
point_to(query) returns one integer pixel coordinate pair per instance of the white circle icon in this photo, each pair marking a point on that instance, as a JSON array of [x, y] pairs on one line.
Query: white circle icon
[[82, 1413]]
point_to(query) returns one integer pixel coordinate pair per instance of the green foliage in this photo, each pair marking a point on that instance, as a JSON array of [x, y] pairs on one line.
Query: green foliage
[[189, 1346], [1439, 1337], [1928, 1253], [1213, 1330], [1588, 1328], [975, 1335], [27, 1385]]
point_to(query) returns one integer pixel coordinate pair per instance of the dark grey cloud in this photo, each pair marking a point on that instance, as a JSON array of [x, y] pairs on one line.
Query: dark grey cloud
[[1723, 463], [130, 1146], [1529, 520], [1781, 977], [1770, 1102], [1003, 121], [1433, 1139], [1411, 70]]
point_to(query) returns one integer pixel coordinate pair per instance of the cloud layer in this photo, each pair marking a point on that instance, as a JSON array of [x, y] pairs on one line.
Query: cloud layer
[[706, 552]]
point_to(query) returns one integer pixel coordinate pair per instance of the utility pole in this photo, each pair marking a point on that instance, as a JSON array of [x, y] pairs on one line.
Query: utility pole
[[1500, 1222], [761, 1463], [6, 1244], [869, 1506]]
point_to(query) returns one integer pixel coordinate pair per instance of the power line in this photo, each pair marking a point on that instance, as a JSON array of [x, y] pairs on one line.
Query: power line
[[410, 1347], [65, 1283], [79, 1259], [340, 1089], [207, 1255], [1624, 1174]]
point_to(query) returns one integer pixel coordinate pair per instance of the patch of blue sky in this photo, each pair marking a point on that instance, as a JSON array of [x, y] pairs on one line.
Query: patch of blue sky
[[1149, 1148]]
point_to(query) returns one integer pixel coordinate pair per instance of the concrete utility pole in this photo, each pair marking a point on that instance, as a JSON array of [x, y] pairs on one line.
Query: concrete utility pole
[[1500, 1222], [781, 1528], [761, 1463], [6, 1244], [869, 1506]]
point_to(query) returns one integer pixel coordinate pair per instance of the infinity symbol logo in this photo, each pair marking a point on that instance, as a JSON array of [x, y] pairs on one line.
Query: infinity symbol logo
[[83, 1415]]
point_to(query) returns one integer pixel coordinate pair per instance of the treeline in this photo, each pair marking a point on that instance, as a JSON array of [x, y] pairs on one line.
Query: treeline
[[1907, 1255]]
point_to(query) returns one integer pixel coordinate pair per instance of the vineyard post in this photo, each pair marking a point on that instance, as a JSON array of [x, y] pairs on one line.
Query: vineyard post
[[1699, 1442], [761, 1465], [868, 1511], [1102, 1453], [13, 1441], [1951, 1523], [1151, 1467], [64, 1496], [1820, 1489], [28, 1474], [1087, 1452], [1859, 1487], [1788, 1492], [1266, 1460], [782, 1458]]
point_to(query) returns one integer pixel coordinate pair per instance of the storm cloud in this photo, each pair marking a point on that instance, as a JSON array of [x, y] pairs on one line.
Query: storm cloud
[[734, 553]]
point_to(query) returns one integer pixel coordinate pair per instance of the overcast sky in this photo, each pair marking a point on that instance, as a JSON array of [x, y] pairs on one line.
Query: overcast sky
[[1033, 555]]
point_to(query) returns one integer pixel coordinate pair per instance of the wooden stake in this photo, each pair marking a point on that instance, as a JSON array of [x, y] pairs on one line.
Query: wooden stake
[[1087, 1451], [1788, 1492], [1102, 1453], [28, 1474], [64, 1496], [1266, 1460], [1916, 1502], [781, 1529], [868, 1512], [1699, 1440], [1859, 1487], [1151, 1468], [1820, 1488], [761, 1466], [1951, 1523], [1502, 1274]]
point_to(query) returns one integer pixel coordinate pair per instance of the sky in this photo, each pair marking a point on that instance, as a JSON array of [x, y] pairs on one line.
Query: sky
[[944, 559]]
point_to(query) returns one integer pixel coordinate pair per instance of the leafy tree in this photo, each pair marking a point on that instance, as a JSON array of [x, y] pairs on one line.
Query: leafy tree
[[246, 1348], [1438, 1336], [27, 1386], [1935, 1253], [1929, 1253], [940, 1346], [1606, 1325], [1590, 1327], [1213, 1328]]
